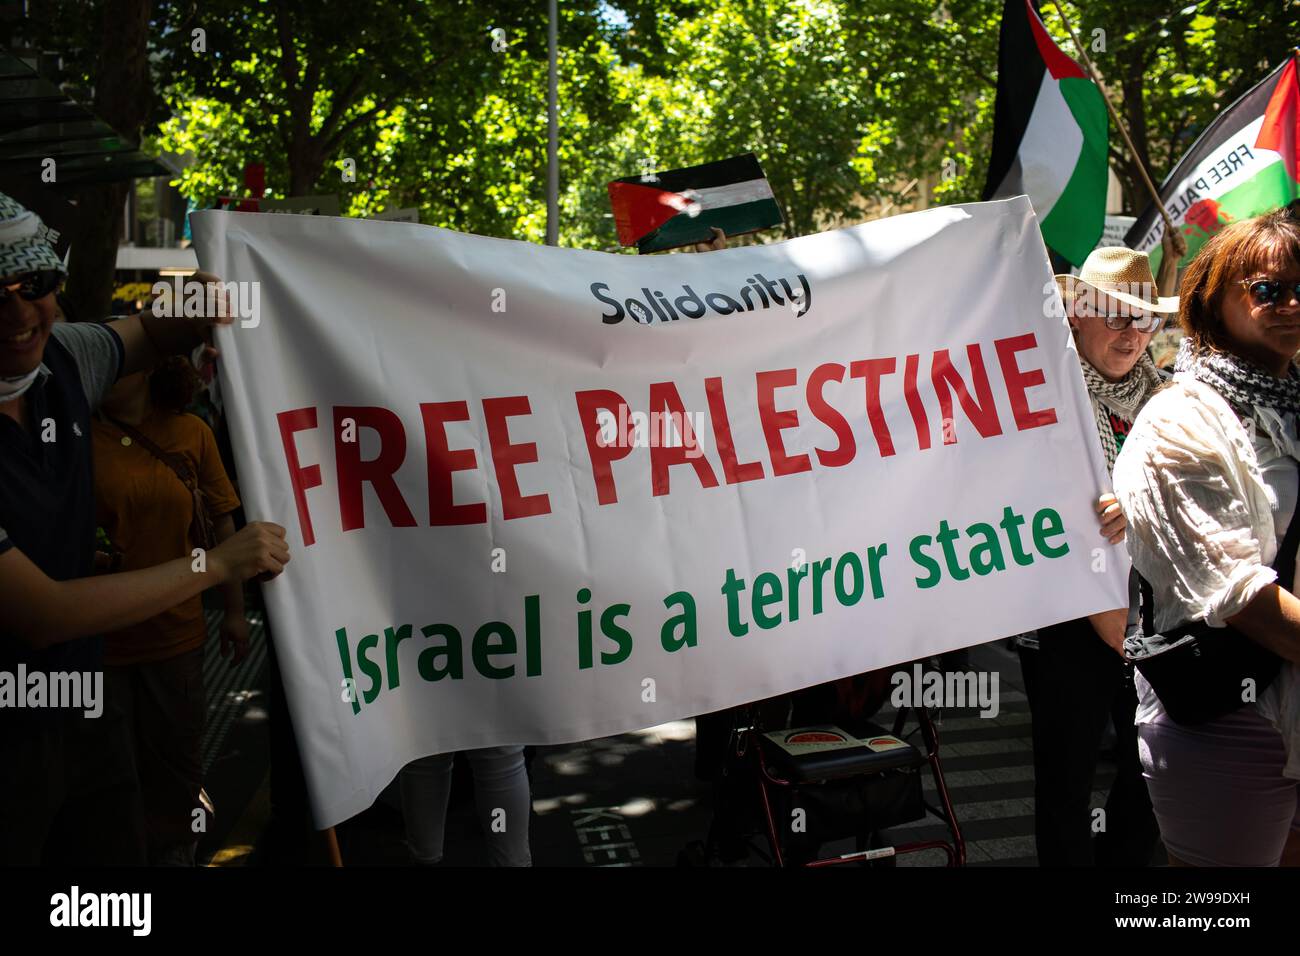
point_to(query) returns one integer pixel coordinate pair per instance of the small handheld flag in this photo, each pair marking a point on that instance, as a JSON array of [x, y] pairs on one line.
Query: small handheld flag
[[677, 207]]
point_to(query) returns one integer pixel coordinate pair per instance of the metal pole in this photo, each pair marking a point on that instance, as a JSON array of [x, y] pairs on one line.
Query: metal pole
[[552, 132]]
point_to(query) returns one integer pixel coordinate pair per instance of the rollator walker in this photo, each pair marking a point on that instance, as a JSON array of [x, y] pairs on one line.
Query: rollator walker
[[799, 788]]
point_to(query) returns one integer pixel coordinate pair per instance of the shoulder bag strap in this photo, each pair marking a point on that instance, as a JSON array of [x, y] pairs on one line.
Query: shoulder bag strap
[[202, 527]]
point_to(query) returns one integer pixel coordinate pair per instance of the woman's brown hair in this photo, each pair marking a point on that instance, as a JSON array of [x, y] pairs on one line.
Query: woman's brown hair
[[1237, 251], [173, 384]]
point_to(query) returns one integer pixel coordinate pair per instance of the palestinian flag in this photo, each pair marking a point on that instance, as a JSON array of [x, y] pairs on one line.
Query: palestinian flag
[[664, 210], [1243, 164], [1049, 135]]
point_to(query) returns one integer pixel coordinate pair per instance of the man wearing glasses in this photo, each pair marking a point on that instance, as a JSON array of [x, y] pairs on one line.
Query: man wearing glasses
[[67, 787]]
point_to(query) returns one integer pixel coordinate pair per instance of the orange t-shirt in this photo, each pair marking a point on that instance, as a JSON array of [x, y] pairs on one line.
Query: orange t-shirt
[[147, 511]]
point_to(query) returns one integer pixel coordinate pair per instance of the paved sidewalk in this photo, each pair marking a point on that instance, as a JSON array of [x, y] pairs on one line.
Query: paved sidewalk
[[633, 800]]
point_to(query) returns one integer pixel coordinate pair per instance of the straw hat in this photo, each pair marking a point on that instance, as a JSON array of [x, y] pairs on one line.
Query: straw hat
[[1118, 273]]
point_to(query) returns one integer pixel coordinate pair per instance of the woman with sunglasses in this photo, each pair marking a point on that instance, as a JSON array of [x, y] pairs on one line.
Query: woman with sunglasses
[[1074, 672], [67, 788], [1208, 481]]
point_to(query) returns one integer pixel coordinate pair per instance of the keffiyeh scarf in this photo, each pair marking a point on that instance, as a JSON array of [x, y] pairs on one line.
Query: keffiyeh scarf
[[1124, 398], [1273, 403]]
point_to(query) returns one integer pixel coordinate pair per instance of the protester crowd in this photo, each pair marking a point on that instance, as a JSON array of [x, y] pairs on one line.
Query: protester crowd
[[109, 489]]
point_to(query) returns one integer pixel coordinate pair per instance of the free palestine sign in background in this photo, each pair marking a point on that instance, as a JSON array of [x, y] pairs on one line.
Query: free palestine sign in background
[[537, 495]]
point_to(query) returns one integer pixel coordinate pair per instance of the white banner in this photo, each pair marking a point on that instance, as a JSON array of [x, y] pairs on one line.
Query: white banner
[[882, 450]]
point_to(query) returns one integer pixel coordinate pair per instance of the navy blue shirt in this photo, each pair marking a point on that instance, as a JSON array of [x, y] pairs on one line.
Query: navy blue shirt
[[47, 494]]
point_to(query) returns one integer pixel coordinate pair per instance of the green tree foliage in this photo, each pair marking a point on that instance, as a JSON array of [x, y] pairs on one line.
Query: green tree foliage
[[854, 107], [1171, 65], [410, 91], [823, 92]]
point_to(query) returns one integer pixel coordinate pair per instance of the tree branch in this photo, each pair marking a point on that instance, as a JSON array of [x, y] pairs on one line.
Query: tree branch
[[312, 79], [288, 55], [332, 143], [342, 101]]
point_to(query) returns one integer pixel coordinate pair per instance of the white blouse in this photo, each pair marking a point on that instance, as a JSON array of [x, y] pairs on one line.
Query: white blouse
[[1207, 499], [1203, 522]]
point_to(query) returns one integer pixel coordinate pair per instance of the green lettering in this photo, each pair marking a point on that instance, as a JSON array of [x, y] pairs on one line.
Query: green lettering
[[874, 554], [1011, 523], [610, 628], [483, 649], [341, 636], [532, 635], [1048, 523], [732, 588], [946, 536], [986, 556], [819, 572], [792, 578], [450, 649], [924, 560], [392, 638], [686, 619], [767, 591], [854, 564], [369, 667]]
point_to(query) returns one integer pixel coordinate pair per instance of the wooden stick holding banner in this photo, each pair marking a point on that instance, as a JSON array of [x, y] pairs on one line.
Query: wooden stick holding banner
[[1105, 95], [332, 847]]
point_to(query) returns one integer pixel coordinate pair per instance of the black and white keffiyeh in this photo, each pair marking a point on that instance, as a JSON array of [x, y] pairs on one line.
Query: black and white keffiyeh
[[1124, 398], [1272, 402], [26, 243]]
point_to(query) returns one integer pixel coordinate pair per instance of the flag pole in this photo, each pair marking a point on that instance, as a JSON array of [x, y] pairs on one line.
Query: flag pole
[[1105, 95]]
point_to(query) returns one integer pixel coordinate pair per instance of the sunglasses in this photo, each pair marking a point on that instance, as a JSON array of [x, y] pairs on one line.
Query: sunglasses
[[32, 286], [1267, 292]]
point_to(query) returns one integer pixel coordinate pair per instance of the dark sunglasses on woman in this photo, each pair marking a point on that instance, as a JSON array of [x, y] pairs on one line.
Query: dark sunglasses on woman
[[1268, 291], [32, 285]]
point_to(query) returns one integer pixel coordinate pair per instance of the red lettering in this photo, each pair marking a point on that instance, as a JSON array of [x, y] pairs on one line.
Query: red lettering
[[507, 456], [873, 370], [734, 470], [442, 461], [379, 471], [1018, 381], [984, 415], [663, 395], [774, 422], [829, 416], [297, 420], [914, 404], [600, 454]]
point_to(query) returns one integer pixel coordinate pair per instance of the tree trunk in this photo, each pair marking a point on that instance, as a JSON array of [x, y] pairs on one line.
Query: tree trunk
[[1136, 194], [122, 94], [93, 261], [305, 166]]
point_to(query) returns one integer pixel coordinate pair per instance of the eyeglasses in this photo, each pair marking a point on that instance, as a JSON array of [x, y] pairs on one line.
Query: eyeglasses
[[32, 286], [1140, 323], [1119, 321], [1267, 292]]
